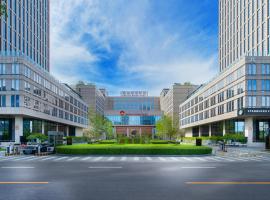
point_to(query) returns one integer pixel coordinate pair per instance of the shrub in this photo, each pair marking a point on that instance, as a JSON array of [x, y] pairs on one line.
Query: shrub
[[79, 140], [100, 149], [235, 138], [163, 142], [107, 142]]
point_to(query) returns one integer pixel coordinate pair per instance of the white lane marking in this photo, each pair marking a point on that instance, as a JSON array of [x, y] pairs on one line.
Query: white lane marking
[[110, 158], [136, 158], [61, 158], [98, 158], [87, 158], [106, 167], [162, 159], [74, 158], [123, 158], [49, 158], [17, 167], [198, 167]]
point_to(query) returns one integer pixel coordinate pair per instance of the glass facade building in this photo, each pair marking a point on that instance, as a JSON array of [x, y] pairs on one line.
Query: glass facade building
[[133, 112], [31, 99], [25, 31]]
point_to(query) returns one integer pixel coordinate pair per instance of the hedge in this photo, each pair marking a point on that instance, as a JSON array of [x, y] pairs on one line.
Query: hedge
[[130, 149], [162, 142], [107, 142]]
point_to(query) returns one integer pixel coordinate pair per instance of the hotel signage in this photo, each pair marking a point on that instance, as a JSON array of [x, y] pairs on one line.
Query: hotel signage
[[254, 112]]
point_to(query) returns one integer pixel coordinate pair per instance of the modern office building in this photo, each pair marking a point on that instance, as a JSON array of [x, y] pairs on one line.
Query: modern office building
[[93, 96], [243, 30], [31, 100], [171, 98], [133, 113], [237, 100]]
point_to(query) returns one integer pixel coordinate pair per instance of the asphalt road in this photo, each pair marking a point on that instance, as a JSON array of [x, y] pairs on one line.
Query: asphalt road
[[130, 181]]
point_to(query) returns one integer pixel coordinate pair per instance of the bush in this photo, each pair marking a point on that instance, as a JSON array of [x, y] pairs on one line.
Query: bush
[[107, 142], [163, 142], [78, 140], [131, 149], [235, 138]]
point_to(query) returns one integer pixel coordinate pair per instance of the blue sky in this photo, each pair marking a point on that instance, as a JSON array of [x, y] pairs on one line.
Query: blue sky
[[134, 44]]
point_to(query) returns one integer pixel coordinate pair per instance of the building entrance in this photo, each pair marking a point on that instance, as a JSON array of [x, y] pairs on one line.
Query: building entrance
[[261, 131]]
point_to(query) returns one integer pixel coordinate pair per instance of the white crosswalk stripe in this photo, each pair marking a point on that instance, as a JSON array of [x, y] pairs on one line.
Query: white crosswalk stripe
[[110, 158], [123, 159], [73, 158], [97, 159], [86, 158], [61, 158], [55, 158]]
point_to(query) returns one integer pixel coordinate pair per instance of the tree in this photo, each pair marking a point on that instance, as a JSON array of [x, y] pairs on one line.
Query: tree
[[165, 127], [99, 126], [3, 10]]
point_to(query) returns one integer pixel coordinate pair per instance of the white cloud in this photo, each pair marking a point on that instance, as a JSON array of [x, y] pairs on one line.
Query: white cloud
[[154, 54]]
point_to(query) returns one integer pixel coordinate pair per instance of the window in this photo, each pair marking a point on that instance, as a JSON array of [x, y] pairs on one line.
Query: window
[[265, 101], [15, 85], [15, 69], [265, 69], [2, 100], [240, 102], [15, 100], [27, 86], [2, 69], [265, 85], [252, 101], [252, 85], [251, 69], [2, 85], [230, 106]]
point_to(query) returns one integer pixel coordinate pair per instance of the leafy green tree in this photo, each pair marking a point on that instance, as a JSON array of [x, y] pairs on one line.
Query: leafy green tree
[[3, 9], [165, 128], [38, 136], [99, 126]]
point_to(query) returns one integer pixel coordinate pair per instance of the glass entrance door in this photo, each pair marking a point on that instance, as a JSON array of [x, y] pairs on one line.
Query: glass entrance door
[[262, 129]]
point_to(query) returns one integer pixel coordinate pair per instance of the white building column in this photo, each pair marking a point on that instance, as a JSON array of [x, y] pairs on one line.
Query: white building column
[[43, 127], [249, 129], [18, 128], [210, 131], [200, 134], [224, 128], [127, 132]]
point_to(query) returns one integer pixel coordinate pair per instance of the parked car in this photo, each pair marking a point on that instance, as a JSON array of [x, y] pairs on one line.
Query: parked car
[[30, 149]]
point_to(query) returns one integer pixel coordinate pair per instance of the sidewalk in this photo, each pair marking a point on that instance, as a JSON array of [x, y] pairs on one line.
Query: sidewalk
[[241, 151]]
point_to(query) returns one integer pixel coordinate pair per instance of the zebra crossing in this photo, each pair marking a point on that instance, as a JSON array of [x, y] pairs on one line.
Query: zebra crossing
[[163, 159]]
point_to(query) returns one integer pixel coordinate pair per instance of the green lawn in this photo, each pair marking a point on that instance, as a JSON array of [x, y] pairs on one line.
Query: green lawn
[[133, 149]]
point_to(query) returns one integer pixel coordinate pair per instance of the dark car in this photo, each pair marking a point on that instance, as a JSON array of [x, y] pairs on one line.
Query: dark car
[[30, 150]]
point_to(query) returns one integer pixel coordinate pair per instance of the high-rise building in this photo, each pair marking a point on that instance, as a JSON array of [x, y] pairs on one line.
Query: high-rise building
[[31, 99], [243, 30], [171, 98], [93, 96], [133, 113], [25, 31], [237, 100]]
